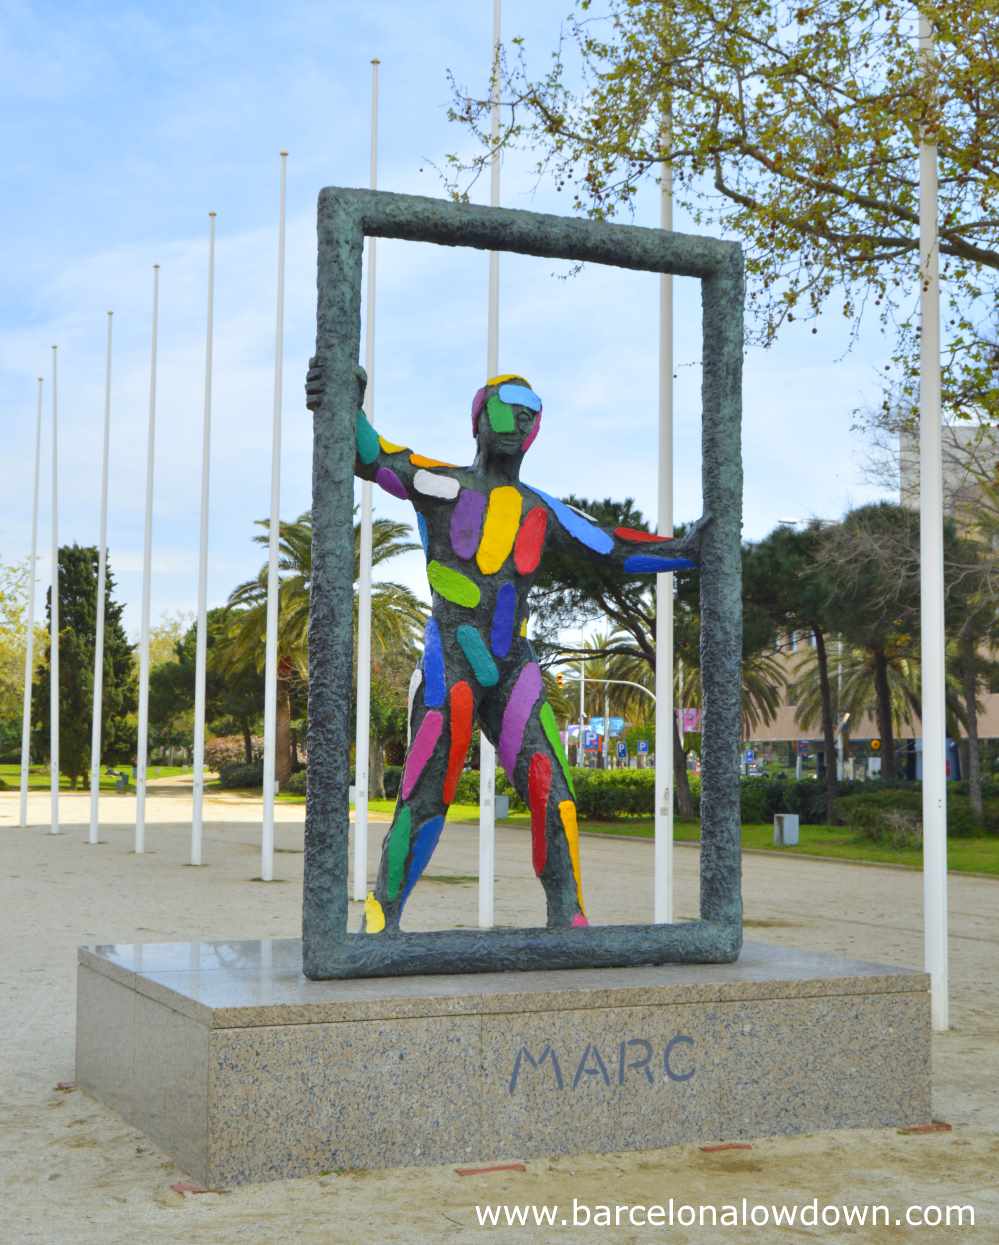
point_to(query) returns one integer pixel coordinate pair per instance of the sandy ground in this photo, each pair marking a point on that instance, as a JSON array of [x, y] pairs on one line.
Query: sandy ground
[[71, 1171]]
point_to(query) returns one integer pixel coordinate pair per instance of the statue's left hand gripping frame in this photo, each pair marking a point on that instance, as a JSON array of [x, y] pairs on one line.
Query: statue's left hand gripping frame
[[329, 950]]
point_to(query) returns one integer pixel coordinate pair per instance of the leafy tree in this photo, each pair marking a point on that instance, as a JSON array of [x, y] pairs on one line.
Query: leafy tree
[[569, 591], [396, 614], [793, 128], [233, 688], [780, 579], [77, 625]]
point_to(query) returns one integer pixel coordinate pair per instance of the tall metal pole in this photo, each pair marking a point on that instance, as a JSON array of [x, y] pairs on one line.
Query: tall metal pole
[[273, 542], [663, 849], [487, 753], [931, 578], [580, 756], [102, 566], [363, 706], [29, 645], [142, 742], [201, 646], [54, 606]]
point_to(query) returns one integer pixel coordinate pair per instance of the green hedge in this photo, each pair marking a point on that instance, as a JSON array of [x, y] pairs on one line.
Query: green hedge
[[239, 774], [296, 783], [879, 815]]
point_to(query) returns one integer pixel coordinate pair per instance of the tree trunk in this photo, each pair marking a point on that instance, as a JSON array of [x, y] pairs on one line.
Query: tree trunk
[[969, 688], [828, 723], [888, 768], [282, 759], [376, 770], [247, 743], [684, 800]]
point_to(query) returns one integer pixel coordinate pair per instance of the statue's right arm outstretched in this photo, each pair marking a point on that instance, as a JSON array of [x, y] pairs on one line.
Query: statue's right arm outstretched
[[388, 465]]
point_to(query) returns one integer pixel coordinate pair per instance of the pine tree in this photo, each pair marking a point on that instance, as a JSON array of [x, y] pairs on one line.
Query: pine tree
[[77, 625]]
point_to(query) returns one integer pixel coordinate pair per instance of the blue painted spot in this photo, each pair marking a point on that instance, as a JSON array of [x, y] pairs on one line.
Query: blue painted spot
[[644, 562], [520, 395], [434, 684], [583, 530], [421, 523], [424, 843], [501, 636]]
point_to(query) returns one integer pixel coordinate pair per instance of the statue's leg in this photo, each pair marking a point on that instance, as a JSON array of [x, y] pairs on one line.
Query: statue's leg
[[440, 734], [536, 766]]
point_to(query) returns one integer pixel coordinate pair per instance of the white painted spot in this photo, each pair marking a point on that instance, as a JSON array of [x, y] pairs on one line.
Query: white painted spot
[[430, 485]]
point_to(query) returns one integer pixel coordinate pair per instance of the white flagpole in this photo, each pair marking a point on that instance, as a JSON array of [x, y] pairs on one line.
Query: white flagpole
[[29, 645], [201, 649], [933, 710], [102, 565], [142, 743], [54, 607], [663, 846], [362, 707], [487, 753], [273, 541]]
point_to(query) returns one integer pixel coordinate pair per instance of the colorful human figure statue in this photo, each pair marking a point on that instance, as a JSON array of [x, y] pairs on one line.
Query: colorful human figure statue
[[484, 532]]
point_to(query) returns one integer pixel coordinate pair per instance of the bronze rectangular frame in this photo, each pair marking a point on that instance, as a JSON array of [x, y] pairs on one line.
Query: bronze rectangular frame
[[346, 217]]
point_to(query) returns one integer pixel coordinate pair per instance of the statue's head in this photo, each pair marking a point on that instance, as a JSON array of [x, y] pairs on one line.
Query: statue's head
[[506, 415]]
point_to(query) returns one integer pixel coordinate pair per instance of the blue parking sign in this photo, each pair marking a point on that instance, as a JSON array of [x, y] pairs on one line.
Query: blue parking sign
[[622, 750], [643, 745]]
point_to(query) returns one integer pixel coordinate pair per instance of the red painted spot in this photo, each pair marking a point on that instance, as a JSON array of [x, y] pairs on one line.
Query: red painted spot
[[935, 1126], [500, 1167], [184, 1188], [631, 533], [461, 737], [539, 783], [530, 540], [728, 1145], [580, 922]]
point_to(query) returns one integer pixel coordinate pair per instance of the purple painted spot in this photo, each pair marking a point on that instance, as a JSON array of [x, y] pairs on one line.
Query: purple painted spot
[[529, 440], [522, 700], [386, 478], [422, 750], [504, 614], [478, 402], [466, 522]]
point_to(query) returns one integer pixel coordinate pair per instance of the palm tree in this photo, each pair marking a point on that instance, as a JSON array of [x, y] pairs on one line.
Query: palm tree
[[397, 615]]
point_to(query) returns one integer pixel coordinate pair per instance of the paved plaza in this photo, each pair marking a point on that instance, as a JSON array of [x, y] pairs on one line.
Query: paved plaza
[[73, 1172]]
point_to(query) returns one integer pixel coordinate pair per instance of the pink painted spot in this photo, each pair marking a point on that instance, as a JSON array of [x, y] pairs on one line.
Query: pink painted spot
[[386, 478], [531, 437], [522, 700], [422, 750], [580, 921]]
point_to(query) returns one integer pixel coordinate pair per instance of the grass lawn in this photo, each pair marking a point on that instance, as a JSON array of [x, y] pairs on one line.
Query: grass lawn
[[38, 777], [980, 855]]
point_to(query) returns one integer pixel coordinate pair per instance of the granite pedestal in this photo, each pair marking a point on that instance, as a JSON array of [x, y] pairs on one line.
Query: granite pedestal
[[243, 1070]]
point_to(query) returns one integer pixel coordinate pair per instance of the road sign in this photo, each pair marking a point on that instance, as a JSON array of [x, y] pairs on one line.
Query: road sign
[[643, 745], [875, 745], [622, 750], [804, 747], [750, 755]]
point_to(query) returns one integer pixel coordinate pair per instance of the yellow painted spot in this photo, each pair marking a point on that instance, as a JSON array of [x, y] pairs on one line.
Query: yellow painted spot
[[500, 528], [523, 628], [421, 460], [374, 917], [498, 380], [567, 811], [390, 447]]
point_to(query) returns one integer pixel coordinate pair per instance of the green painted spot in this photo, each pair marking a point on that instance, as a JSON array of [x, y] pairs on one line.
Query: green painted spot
[[500, 415], [479, 657], [398, 850], [452, 585], [550, 728], [368, 448]]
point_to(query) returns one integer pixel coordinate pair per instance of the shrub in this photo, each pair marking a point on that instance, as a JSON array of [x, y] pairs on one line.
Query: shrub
[[296, 783], [230, 750], [878, 815], [242, 775], [391, 778]]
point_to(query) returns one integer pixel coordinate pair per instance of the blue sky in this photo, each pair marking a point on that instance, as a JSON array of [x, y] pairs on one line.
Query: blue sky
[[123, 125]]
